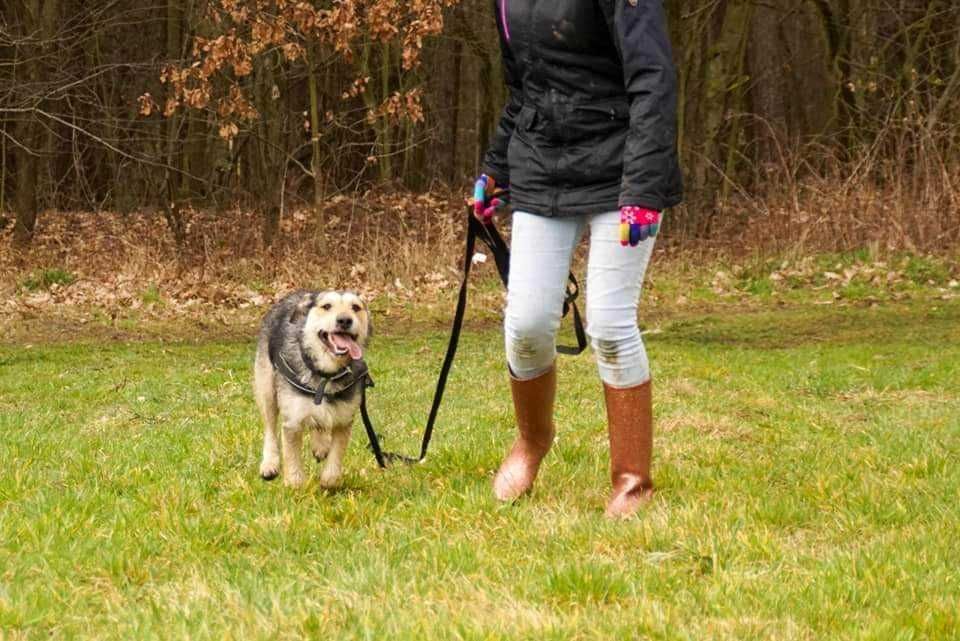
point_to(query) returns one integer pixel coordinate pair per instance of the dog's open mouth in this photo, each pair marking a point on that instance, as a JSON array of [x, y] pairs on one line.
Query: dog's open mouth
[[341, 343]]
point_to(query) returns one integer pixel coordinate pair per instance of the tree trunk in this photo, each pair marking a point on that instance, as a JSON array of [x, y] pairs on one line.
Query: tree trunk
[[737, 89], [838, 43], [171, 206], [271, 159], [41, 19], [315, 158], [453, 136], [25, 196], [767, 69], [3, 173], [386, 127]]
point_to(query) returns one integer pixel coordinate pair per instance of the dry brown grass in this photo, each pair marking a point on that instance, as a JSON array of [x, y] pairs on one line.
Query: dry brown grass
[[401, 245], [900, 192], [400, 242]]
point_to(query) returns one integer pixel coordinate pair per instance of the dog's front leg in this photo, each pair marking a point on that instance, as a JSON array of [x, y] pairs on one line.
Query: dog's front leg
[[320, 444], [265, 393], [270, 465], [333, 469], [293, 475]]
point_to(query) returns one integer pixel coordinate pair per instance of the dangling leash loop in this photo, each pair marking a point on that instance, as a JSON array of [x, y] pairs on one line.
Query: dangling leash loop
[[491, 237]]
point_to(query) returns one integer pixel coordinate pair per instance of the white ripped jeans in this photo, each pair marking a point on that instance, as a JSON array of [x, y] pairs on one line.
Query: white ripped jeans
[[541, 251]]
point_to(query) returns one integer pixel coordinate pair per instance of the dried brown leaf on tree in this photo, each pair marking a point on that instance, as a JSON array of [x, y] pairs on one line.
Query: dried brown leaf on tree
[[253, 28], [146, 104]]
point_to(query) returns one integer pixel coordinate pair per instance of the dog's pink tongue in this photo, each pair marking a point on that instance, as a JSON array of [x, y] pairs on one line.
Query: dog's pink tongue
[[342, 341]]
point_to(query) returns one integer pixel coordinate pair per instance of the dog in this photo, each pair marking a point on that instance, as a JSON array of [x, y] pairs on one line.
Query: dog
[[309, 372]]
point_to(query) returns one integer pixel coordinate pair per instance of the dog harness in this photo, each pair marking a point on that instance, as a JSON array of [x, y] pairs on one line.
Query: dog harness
[[331, 387]]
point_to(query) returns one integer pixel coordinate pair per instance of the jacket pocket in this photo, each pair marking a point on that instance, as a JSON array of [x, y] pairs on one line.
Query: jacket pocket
[[612, 110], [594, 161], [525, 155], [595, 120]]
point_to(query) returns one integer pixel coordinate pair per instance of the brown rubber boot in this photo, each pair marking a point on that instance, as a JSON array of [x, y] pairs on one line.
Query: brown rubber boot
[[533, 406], [630, 428]]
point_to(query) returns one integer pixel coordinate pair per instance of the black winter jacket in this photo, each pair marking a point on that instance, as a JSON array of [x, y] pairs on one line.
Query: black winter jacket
[[591, 120]]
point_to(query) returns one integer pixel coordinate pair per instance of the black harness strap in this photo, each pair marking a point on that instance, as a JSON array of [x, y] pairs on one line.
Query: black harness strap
[[501, 255], [355, 371]]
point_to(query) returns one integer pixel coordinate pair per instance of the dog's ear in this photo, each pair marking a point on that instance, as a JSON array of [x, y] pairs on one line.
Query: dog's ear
[[302, 308]]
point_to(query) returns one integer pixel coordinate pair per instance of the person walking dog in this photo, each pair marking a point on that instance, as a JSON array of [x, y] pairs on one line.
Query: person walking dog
[[587, 139]]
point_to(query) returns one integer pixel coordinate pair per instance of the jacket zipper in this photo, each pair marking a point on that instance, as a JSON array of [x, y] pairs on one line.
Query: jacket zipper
[[503, 19]]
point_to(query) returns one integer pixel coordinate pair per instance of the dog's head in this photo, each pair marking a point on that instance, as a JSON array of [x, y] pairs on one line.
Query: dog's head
[[336, 328]]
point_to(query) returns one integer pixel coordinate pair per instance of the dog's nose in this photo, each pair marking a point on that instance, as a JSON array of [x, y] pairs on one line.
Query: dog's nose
[[344, 322]]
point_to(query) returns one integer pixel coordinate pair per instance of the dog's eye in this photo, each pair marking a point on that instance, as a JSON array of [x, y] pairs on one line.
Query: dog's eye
[[356, 308], [326, 307]]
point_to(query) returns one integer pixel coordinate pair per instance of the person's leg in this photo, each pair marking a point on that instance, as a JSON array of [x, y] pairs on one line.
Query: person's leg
[[614, 282], [541, 249], [540, 252]]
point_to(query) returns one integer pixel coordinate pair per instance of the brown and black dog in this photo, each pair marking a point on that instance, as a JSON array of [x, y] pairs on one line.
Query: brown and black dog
[[307, 341]]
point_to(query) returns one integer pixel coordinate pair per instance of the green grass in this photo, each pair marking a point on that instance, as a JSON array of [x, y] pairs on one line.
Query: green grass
[[806, 460], [151, 295], [47, 278]]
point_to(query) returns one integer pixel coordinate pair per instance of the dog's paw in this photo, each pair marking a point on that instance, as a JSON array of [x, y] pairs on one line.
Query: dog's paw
[[269, 470], [294, 479], [330, 479]]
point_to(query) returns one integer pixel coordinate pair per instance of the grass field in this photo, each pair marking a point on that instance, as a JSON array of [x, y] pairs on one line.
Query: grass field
[[807, 462]]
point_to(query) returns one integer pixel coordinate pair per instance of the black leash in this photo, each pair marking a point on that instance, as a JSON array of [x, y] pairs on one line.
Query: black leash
[[501, 255]]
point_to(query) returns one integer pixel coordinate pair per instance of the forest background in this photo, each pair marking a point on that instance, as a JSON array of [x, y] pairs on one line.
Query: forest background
[[149, 150]]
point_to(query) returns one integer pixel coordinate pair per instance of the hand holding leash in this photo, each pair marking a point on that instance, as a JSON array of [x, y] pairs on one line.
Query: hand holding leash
[[488, 198], [637, 224]]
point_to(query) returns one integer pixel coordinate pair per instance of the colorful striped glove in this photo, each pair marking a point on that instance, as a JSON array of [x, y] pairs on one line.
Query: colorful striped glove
[[637, 224], [488, 198]]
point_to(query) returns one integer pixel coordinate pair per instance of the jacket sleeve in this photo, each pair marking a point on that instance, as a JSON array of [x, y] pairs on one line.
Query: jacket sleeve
[[495, 160], [650, 166]]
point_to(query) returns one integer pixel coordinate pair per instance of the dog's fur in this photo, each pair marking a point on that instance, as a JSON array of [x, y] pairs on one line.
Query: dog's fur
[[298, 327]]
